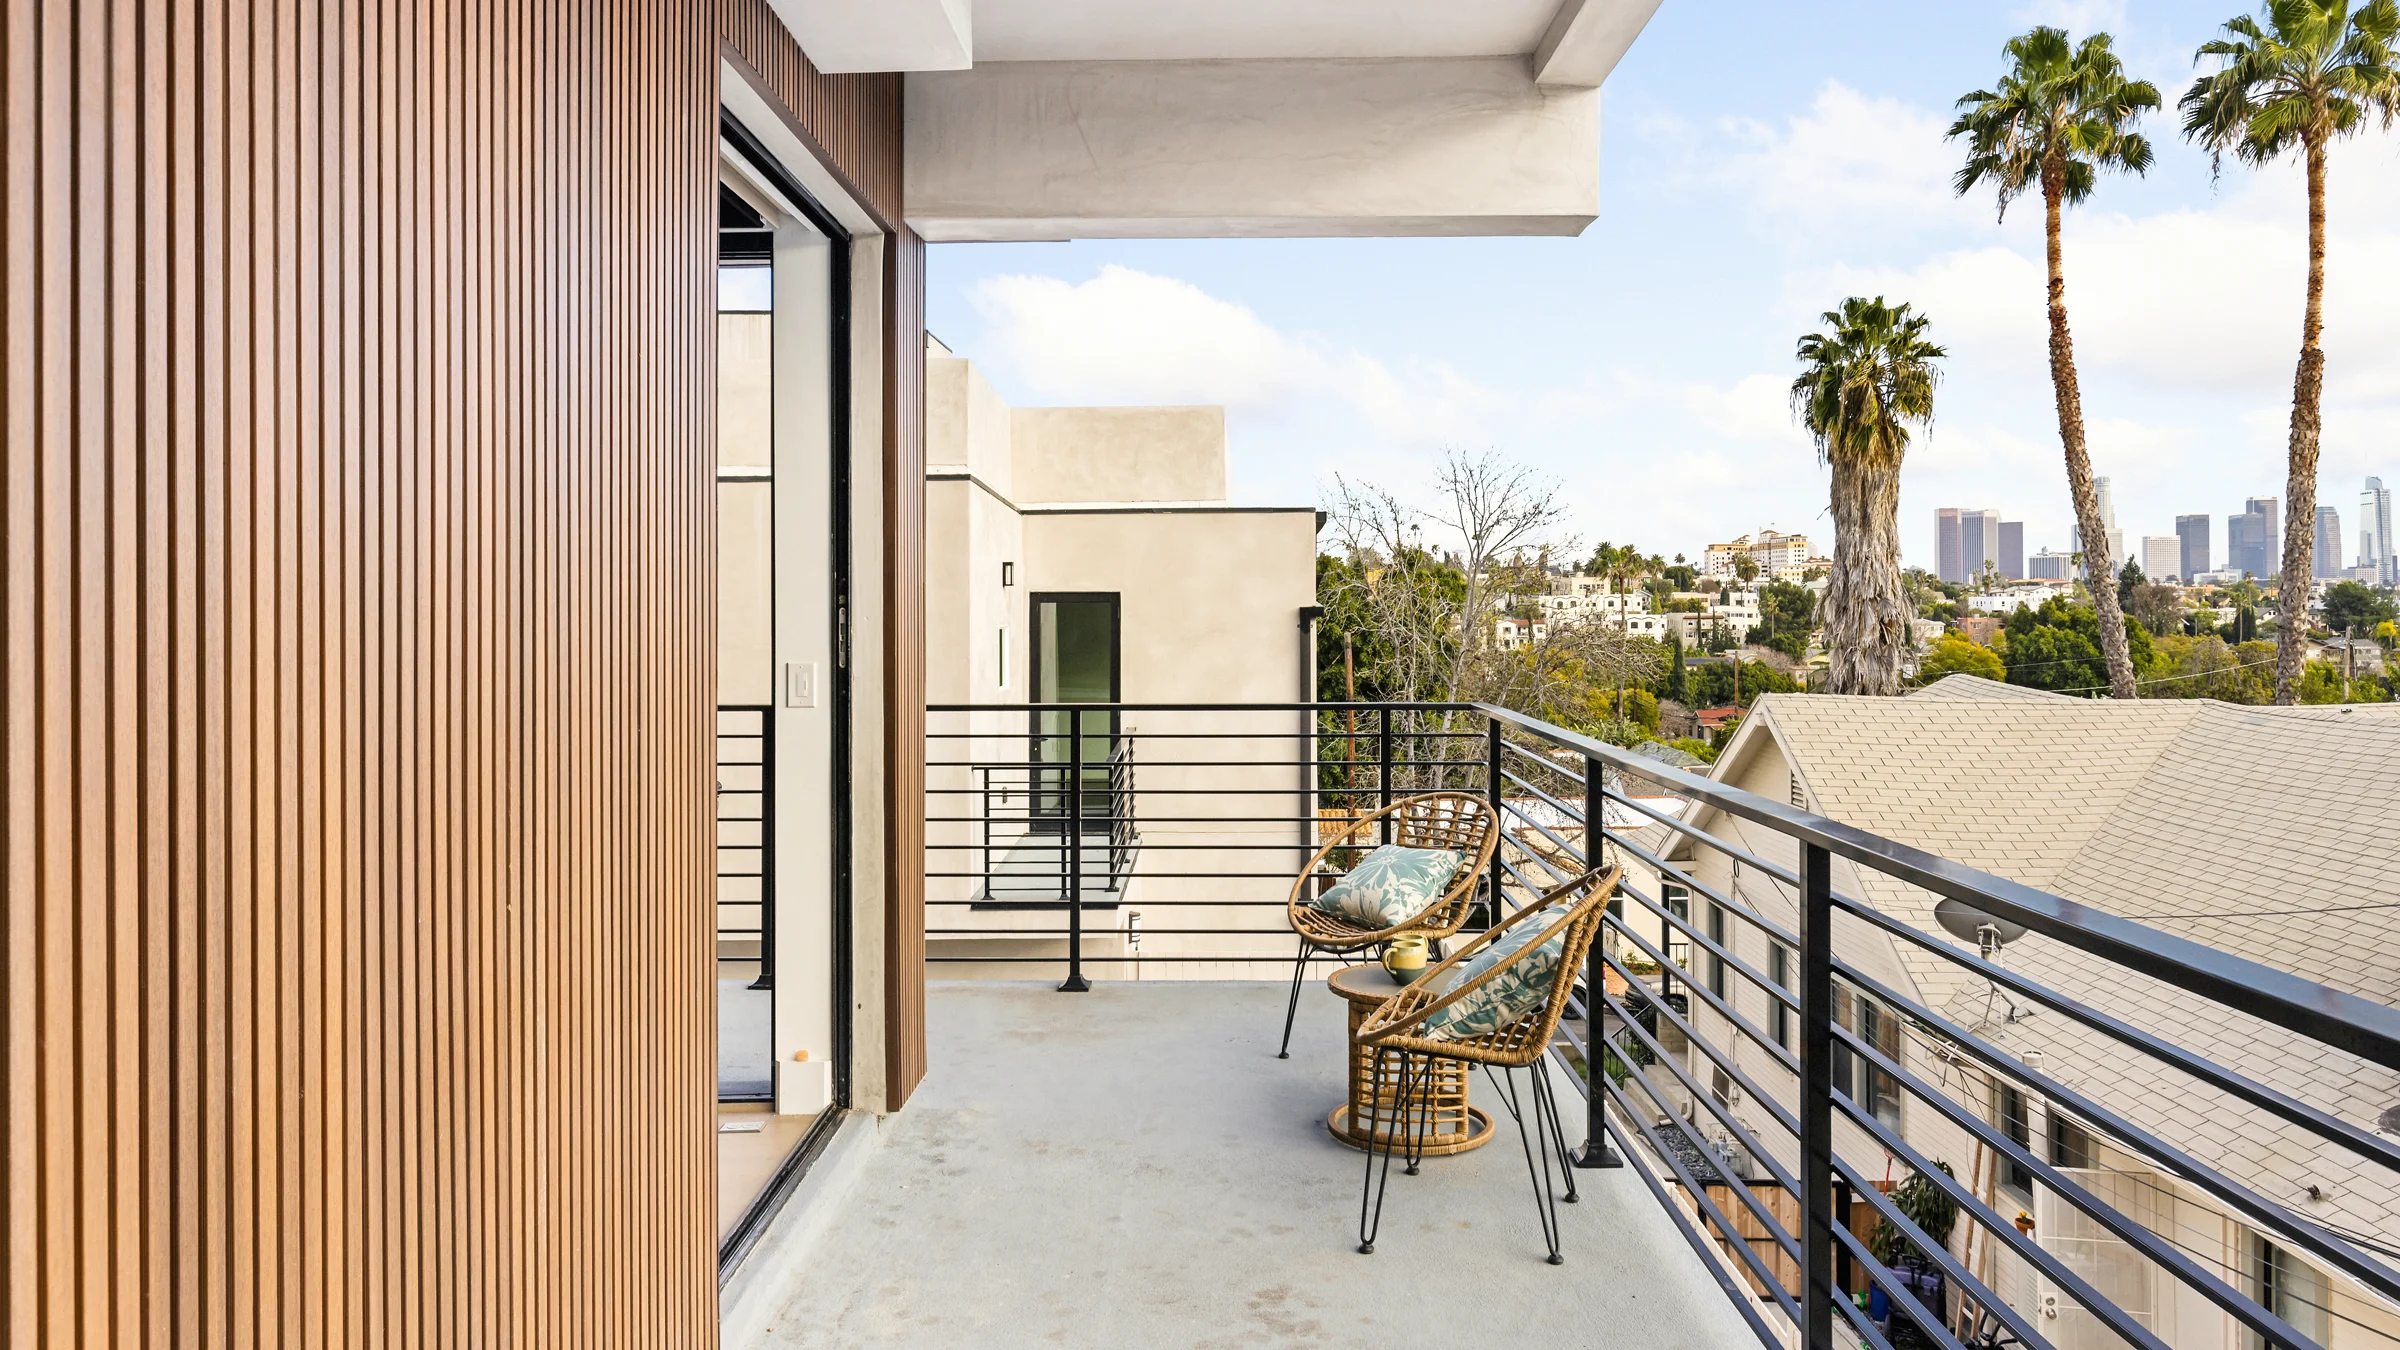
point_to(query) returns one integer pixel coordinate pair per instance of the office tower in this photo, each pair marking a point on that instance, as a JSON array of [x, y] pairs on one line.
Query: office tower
[[1978, 541], [2375, 527], [1945, 545], [2012, 549], [2113, 545], [2328, 562], [2050, 565], [2161, 555], [2252, 544], [2192, 533]]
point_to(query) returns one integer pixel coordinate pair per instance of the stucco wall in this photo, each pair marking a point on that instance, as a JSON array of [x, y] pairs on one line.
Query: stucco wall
[[1119, 454]]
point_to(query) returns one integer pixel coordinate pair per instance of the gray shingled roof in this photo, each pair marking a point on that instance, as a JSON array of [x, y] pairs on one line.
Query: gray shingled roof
[[2273, 833]]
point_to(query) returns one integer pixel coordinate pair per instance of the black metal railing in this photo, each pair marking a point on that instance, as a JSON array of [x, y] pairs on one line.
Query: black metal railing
[[745, 910], [1779, 1079], [1021, 869]]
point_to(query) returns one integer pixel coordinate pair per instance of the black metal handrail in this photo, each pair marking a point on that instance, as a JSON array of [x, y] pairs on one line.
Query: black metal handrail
[[745, 753], [1662, 1103]]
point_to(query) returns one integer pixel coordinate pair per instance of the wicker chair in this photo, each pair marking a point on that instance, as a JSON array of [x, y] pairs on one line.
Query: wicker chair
[[1452, 820], [1396, 1027]]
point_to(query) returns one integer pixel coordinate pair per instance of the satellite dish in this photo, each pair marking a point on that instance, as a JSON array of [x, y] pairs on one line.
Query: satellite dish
[[1969, 924]]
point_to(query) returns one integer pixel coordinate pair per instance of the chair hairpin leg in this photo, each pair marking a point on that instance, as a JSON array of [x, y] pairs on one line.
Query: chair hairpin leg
[[1370, 1224], [1544, 1199], [1416, 1110], [1548, 1102], [1291, 1009]]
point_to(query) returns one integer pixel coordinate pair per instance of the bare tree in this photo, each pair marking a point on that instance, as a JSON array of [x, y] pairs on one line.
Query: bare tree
[[1495, 508], [1436, 619]]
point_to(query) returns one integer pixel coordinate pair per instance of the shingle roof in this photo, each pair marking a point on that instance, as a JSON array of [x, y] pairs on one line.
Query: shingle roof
[[1977, 687], [2273, 833]]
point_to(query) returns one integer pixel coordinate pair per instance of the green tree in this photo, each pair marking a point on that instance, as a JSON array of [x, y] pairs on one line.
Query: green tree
[[1957, 654], [2057, 647], [2296, 78], [1713, 684], [2351, 607], [1679, 682], [1787, 615], [2132, 576], [2061, 116], [1862, 383]]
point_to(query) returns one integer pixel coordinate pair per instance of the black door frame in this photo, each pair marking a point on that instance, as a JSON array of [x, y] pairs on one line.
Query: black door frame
[[738, 1240], [1115, 600]]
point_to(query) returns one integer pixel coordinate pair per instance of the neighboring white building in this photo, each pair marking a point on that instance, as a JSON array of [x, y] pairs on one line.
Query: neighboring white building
[[2013, 598], [2050, 565], [1089, 555], [2229, 826], [1769, 549], [1516, 635]]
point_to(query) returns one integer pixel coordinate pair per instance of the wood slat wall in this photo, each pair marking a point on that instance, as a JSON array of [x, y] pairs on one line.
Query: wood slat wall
[[357, 531]]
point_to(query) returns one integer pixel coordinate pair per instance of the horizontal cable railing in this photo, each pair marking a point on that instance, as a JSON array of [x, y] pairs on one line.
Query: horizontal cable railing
[[1797, 1072]]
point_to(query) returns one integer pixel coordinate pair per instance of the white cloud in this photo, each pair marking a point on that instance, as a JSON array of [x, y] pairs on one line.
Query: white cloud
[[1132, 337], [1849, 161]]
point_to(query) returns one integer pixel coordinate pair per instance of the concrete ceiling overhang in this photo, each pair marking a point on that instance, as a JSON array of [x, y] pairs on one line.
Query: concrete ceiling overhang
[[1049, 119]]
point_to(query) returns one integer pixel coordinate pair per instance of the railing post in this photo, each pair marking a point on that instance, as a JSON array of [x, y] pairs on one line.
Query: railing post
[[1075, 984], [1491, 781], [1596, 1150], [1383, 779], [1817, 1291]]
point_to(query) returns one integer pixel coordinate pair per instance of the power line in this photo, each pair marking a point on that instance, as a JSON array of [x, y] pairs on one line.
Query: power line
[[2170, 679]]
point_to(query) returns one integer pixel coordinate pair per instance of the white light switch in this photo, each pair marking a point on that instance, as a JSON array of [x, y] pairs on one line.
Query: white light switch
[[800, 684]]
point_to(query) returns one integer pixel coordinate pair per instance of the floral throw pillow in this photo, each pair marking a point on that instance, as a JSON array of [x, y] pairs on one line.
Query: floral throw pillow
[[1392, 885], [1515, 992]]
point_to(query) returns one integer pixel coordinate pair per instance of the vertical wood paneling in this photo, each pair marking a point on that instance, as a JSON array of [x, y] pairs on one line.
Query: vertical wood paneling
[[358, 531]]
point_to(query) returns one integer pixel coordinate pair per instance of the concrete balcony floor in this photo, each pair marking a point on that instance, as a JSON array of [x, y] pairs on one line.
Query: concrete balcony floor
[[1133, 1167]]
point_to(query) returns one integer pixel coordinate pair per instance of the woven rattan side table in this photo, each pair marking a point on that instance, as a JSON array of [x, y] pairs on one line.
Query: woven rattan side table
[[1451, 1125]]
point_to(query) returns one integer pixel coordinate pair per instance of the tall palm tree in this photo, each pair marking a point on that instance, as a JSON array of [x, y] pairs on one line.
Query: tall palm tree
[[1864, 381], [2061, 115], [2310, 73]]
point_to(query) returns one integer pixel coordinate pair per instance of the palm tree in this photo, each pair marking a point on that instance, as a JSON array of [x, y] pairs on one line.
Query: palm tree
[[2311, 74], [1865, 380], [2060, 116]]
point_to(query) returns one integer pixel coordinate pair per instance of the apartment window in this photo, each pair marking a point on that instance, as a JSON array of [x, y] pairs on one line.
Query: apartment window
[[1779, 1015], [2010, 1114], [1716, 964], [2070, 1145], [1864, 1083], [1678, 900], [1008, 574], [2288, 1287], [1003, 680]]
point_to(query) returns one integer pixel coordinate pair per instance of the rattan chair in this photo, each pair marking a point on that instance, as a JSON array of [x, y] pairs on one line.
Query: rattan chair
[[1396, 1027], [1451, 820]]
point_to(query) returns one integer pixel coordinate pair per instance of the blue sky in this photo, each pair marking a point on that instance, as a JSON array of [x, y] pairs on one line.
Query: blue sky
[[1759, 161]]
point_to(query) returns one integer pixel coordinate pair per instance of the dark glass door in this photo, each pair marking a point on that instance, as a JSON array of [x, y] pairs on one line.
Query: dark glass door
[[1075, 660]]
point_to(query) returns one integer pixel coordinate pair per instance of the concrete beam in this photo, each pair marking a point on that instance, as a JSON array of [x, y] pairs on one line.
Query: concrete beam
[[1225, 149], [844, 37], [1586, 40]]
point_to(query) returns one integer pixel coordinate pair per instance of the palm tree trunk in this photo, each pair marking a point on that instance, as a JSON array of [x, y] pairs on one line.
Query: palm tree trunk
[[2300, 484], [1866, 608], [2100, 565]]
